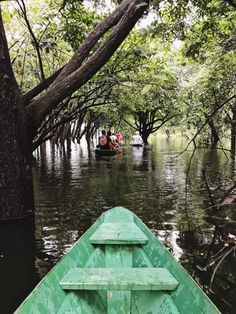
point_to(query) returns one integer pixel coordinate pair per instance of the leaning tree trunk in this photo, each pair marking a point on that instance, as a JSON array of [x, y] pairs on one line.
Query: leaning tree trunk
[[16, 186], [18, 123]]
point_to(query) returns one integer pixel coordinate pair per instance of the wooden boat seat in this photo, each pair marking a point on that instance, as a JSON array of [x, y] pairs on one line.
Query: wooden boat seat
[[119, 279], [118, 233]]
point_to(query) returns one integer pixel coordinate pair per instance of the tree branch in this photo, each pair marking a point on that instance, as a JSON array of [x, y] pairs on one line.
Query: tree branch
[[203, 125], [61, 88], [129, 123], [27, 97], [34, 39], [81, 53]]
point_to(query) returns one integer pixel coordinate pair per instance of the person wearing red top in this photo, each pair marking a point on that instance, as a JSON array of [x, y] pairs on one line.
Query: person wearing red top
[[119, 138], [105, 141], [111, 143]]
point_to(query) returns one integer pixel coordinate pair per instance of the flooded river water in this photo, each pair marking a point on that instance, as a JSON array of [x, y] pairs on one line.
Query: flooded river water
[[72, 189]]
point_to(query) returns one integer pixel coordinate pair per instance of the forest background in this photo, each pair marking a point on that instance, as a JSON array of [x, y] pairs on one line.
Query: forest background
[[67, 69]]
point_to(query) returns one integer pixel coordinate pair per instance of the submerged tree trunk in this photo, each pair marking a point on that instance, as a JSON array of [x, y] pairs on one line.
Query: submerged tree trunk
[[145, 136], [214, 134], [143, 127], [233, 132], [16, 186], [145, 131]]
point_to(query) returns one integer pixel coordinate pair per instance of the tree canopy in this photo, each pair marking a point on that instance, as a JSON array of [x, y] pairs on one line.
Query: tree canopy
[[89, 63]]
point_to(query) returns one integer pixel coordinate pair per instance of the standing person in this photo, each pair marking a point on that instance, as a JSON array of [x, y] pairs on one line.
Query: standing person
[[119, 138], [137, 139]]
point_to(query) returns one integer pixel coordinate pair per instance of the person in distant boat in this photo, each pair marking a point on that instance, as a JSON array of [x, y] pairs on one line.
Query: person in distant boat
[[114, 138], [137, 139], [119, 138], [103, 141], [111, 142]]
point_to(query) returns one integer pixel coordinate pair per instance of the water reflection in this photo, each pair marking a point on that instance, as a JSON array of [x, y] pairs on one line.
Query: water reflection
[[18, 274], [72, 189], [171, 239], [140, 158]]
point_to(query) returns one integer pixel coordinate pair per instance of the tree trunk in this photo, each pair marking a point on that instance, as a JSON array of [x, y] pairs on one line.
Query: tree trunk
[[233, 132], [145, 136], [214, 134], [16, 185], [214, 137], [143, 129]]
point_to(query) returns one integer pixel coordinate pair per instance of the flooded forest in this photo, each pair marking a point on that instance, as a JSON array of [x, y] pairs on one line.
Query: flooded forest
[[118, 104]]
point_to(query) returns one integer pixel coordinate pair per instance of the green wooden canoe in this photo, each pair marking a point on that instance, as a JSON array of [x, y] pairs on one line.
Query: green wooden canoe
[[118, 266]]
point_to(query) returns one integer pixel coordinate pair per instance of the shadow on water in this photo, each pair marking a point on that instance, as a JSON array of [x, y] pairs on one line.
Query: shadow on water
[[18, 274], [73, 188]]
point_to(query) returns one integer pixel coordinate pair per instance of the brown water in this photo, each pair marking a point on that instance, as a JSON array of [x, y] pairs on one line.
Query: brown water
[[72, 189]]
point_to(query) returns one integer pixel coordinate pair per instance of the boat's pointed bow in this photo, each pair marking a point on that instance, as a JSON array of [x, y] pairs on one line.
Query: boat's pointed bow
[[119, 214]]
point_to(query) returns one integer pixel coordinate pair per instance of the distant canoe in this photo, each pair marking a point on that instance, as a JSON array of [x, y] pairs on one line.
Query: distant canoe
[[136, 145], [105, 152], [118, 266]]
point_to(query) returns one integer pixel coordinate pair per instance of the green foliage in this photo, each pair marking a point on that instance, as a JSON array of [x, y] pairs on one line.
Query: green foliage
[[145, 75], [200, 24], [215, 84], [213, 26], [76, 22], [171, 18], [149, 94], [45, 20]]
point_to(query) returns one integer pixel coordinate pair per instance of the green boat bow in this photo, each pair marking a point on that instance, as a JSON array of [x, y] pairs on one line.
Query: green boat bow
[[118, 266]]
